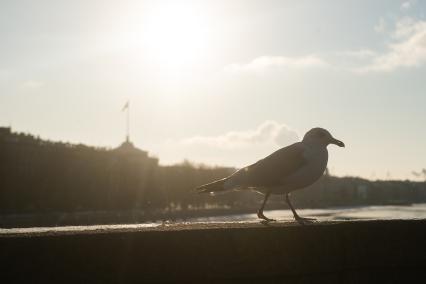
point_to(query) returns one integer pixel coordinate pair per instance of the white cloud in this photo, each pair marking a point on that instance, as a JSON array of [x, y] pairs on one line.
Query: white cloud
[[233, 148], [359, 53], [269, 132], [405, 27], [408, 48], [263, 63], [407, 5]]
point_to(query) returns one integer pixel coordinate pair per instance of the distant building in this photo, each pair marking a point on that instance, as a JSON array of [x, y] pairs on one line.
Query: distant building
[[127, 148]]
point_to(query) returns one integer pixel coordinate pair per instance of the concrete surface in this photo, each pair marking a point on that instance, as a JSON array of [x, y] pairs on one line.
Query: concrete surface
[[327, 252]]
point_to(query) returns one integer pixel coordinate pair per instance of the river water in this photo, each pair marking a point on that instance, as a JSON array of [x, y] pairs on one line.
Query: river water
[[415, 211]]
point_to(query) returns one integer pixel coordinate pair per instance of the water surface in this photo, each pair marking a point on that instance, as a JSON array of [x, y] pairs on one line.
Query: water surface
[[415, 211]]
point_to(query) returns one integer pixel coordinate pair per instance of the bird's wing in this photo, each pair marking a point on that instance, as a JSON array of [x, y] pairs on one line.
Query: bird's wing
[[269, 171]]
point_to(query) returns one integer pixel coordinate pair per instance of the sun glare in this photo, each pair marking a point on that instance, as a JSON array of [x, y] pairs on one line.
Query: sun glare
[[175, 36]]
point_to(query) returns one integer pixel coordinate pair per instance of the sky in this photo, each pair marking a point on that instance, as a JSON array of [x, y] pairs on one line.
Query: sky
[[221, 82]]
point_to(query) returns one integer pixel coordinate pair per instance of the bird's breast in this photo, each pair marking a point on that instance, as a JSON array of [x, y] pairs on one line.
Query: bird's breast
[[313, 169]]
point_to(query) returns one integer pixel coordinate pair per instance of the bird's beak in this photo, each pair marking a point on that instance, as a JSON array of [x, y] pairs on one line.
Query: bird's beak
[[337, 142]]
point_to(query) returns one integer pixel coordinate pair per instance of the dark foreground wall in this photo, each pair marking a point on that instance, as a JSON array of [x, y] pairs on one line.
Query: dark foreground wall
[[346, 252]]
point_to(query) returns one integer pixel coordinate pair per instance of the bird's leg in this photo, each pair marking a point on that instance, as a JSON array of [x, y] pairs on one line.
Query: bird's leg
[[299, 219], [260, 211]]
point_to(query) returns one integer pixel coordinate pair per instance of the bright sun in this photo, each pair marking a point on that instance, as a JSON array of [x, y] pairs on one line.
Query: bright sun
[[175, 36]]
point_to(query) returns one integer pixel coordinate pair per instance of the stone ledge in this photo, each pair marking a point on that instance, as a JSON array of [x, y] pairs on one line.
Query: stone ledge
[[221, 252]]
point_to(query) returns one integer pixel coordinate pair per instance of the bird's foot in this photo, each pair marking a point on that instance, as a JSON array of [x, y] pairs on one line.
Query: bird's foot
[[261, 216], [304, 221]]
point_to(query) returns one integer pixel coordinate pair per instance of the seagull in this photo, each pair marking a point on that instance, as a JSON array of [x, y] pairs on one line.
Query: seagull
[[290, 168]]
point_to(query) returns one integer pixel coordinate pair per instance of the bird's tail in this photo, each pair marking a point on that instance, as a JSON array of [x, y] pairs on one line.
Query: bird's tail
[[218, 185]]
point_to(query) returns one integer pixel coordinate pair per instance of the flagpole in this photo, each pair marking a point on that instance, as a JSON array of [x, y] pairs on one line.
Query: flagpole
[[128, 123]]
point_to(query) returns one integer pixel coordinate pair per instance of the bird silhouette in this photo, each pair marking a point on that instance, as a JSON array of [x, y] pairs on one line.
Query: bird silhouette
[[290, 168]]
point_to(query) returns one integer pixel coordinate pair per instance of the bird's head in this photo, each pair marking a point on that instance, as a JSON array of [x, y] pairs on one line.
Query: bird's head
[[320, 136]]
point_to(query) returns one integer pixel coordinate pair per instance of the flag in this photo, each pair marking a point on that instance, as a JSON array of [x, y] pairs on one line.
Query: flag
[[126, 106]]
